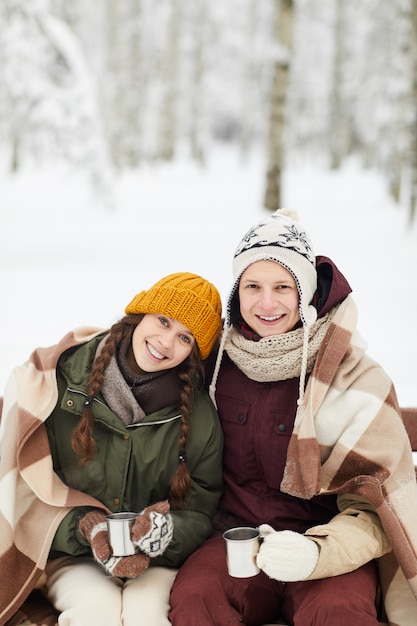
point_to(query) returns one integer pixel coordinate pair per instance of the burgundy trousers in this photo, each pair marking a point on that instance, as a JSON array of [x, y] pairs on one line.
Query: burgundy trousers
[[203, 593]]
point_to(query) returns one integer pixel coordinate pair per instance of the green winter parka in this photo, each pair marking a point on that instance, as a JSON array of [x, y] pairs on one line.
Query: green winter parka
[[132, 466]]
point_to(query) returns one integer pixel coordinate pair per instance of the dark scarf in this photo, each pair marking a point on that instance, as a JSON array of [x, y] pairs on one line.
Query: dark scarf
[[132, 393]]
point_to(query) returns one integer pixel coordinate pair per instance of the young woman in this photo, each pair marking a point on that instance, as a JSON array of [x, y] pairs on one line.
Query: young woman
[[107, 422], [315, 453]]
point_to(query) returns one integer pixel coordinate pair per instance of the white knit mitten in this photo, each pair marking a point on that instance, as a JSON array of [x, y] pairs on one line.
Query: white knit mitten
[[286, 555], [153, 529]]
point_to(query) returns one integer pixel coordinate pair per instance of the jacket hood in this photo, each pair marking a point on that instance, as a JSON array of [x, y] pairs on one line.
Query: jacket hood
[[332, 286]]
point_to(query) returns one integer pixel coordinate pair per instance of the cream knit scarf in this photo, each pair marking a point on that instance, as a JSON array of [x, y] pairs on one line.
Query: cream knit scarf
[[278, 357]]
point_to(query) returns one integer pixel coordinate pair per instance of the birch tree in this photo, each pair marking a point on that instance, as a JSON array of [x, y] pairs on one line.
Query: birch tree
[[339, 131], [136, 81], [169, 77], [197, 127], [413, 125], [283, 30], [123, 81]]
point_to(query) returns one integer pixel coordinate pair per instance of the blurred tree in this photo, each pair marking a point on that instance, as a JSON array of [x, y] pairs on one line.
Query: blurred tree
[[197, 122], [169, 75], [136, 84], [48, 105], [413, 125], [283, 33], [339, 131], [122, 81], [285, 77]]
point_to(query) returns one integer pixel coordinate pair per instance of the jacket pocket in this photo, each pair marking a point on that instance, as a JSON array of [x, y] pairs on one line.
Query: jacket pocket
[[237, 434], [273, 438]]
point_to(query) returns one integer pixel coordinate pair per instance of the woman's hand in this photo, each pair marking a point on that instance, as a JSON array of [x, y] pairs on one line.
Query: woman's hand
[[127, 566], [152, 529], [93, 527]]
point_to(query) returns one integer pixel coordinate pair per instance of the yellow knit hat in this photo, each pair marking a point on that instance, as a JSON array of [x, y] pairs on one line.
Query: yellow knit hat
[[188, 298]]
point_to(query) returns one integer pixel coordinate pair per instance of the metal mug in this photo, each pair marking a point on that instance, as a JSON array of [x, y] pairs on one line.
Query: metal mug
[[119, 525], [242, 546]]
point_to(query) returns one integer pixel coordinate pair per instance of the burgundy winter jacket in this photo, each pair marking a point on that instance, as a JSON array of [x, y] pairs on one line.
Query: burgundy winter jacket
[[257, 420]]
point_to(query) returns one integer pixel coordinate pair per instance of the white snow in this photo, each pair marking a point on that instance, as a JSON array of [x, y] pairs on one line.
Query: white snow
[[67, 258]]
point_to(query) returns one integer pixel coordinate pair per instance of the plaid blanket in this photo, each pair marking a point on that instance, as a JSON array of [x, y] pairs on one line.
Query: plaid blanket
[[36, 611], [349, 438], [33, 499]]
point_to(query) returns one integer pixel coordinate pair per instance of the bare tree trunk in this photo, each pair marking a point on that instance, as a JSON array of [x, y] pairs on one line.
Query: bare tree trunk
[[114, 95], [338, 129], [413, 126], [134, 87], [124, 84], [167, 123], [280, 80], [14, 161], [197, 116], [250, 83], [401, 166]]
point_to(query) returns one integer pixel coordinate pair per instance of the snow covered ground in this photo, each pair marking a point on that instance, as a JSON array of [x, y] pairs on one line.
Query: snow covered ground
[[66, 261]]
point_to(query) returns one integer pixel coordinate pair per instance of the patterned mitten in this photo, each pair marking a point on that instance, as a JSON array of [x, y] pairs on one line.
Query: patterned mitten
[[152, 529], [286, 555], [127, 566], [93, 527]]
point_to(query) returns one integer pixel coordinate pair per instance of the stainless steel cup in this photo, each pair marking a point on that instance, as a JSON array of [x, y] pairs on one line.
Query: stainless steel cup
[[119, 525], [242, 546]]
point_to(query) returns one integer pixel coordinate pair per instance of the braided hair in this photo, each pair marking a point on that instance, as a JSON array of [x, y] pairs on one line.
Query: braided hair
[[191, 375]]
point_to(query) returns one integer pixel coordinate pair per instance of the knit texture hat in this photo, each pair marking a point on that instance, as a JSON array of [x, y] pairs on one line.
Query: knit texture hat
[[188, 298], [280, 238]]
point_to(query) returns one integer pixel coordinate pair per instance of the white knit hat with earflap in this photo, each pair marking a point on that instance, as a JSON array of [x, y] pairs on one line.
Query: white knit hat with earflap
[[280, 238]]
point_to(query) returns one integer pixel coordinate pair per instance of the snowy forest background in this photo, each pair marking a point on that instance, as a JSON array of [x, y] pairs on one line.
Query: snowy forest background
[[113, 84], [140, 137]]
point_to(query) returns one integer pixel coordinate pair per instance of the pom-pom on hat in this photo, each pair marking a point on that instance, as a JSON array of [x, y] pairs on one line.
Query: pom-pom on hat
[[188, 298], [280, 238]]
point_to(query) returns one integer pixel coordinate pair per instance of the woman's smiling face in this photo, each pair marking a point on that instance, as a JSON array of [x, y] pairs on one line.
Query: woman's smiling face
[[269, 298], [160, 343]]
